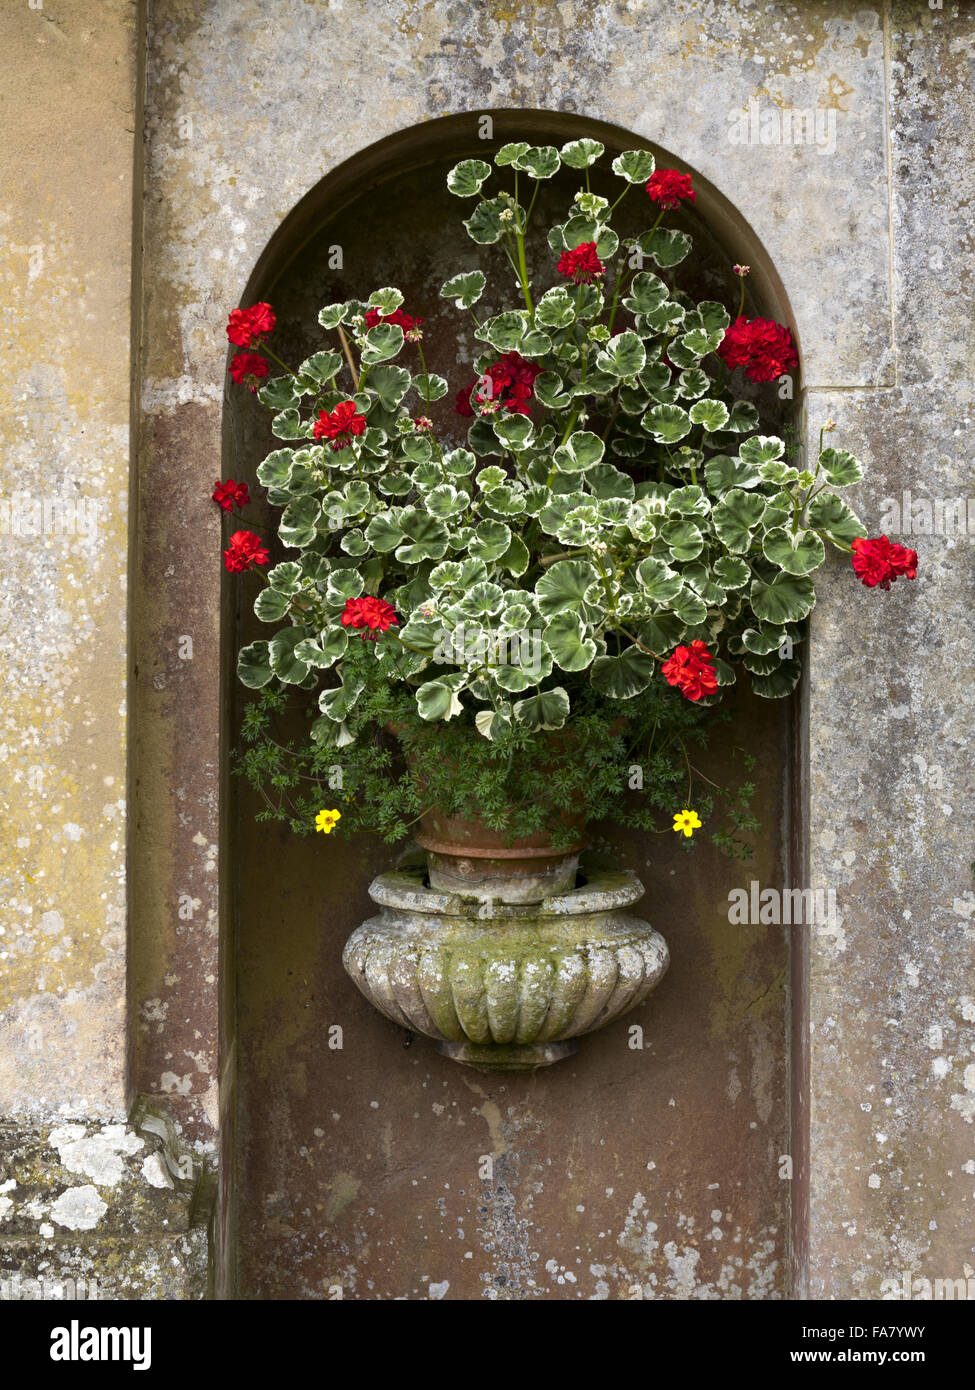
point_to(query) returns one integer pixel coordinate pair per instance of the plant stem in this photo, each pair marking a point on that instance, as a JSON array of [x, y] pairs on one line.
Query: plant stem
[[348, 355]]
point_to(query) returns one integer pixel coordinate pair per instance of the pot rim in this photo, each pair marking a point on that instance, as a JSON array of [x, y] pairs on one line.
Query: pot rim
[[468, 851]]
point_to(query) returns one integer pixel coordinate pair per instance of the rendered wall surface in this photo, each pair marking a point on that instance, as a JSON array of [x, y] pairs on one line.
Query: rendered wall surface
[[65, 270]]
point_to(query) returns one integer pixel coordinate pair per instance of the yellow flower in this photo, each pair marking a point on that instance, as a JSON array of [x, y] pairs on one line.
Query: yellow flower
[[326, 820], [688, 821]]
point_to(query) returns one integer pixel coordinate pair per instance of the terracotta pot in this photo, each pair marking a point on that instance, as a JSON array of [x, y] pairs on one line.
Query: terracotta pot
[[468, 857]]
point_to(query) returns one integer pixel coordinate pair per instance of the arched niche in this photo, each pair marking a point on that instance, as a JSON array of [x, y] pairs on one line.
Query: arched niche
[[382, 1169]]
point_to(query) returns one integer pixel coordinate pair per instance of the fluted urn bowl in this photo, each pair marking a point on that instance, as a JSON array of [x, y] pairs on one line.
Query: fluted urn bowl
[[502, 986]]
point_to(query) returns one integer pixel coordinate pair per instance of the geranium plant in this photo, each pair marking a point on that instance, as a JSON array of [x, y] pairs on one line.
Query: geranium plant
[[614, 539]]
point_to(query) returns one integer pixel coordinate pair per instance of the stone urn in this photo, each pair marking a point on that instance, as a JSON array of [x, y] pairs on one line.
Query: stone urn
[[505, 986]]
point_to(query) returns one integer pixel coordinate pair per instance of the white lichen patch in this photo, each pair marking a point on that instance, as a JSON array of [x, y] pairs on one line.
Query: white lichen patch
[[155, 1172], [79, 1208], [100, 1155], [6, 1203]]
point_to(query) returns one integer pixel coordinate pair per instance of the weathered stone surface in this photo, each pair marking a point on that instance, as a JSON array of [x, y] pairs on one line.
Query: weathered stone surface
[[891, 1011], [65, 268], [100, 1211], [870, 237], [499, 974]]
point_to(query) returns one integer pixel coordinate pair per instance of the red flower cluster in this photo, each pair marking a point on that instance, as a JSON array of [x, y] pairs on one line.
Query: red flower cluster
[[581, 265], [230, 494], [763, 347], [373, 614], [245, 550], [248, 368], [246, 327], [405, 321], [691, 669], [512, 380], [878, 563], [340, 424], [669, 189]]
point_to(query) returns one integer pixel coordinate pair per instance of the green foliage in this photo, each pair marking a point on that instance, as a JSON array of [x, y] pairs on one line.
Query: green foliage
[[382, 781], [636, 508]]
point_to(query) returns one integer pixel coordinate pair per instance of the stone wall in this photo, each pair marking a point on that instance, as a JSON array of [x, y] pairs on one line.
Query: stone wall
[[867, 227]]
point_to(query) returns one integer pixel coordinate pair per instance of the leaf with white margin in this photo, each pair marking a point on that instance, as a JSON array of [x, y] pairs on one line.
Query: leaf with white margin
[[490, 541], [635, 166], [390, 384], [254, 665], [710, 413], [566, 639], [682, 538], [563, 586], [429, 388], [731, 572], [384, 532], [504, 331], [830, 513], [582, 450], [387, 299], [580, 154], [490, 723], [459, 463], [549, 709], [840, 468], [440, 699], [426, 535], [621, 677], [465, 179], [331, 316], [623, 356], [647, 292], [796, 552], [763, 448], [666, 246], [484, 225], [464, 289], [735, 518], [381, 343], [539, 161], [299, 520], [743, 418], [510, 152], [782, 681], [788, 599], [658, 582], [326, 651], [284, 663], [667, 423], [722, 473]]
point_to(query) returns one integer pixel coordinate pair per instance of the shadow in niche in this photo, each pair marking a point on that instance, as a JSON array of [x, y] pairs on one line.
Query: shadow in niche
[[364, 1169]]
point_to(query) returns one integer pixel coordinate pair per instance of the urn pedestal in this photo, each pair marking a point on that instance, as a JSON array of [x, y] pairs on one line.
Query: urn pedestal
[[505, 986]]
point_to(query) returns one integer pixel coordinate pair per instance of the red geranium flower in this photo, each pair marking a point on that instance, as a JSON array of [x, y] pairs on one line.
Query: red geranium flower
[[246, 327], [373, 614], [669, 189], [340, 424], [245, 550], [407, 322], [691, 669], [512, 382], [462, 401], [763, 347], [248, 368], [231, 494], [581, 265], [878, 563]]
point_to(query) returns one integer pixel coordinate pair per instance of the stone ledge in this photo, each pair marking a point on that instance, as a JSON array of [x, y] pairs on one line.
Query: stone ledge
[[107, 1211]]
